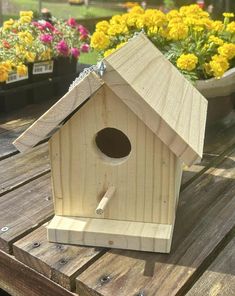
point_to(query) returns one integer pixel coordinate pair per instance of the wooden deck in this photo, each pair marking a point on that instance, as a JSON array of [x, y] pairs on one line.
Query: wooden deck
[[202, 260]]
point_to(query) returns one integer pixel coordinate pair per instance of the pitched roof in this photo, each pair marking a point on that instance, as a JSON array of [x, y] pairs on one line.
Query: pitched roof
[[160, 96], [151, 87]]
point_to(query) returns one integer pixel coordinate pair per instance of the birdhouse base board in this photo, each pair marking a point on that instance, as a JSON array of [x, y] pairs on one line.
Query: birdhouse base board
[[111, 233]]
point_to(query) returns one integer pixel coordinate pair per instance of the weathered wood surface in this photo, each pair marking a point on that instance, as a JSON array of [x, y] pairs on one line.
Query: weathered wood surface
[[21, 169], [219, 142], [219, 278], [20, 280], [60, 263], [205, 215], [24, 209], [14, 124]]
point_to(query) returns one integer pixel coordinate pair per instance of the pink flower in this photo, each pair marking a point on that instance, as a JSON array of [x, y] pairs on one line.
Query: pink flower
[[62, 48], [85, 47], [57, 32], [72, 22], [47, 25], [46, 38], [83, 32], [75, 52]]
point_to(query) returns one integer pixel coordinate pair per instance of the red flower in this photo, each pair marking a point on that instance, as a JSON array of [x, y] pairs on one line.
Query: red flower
[[6, 44]]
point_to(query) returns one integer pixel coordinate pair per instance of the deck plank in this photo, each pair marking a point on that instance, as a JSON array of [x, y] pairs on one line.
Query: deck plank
[[204, 217], [12, 125], [219, 278], [20, 280], [61, 263], [24, 209], [23, 168]]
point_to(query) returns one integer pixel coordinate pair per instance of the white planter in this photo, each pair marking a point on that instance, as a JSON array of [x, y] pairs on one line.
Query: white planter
[[220, 94]]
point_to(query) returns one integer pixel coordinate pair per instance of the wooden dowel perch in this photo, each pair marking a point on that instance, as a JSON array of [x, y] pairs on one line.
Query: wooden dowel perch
[[105, 199]]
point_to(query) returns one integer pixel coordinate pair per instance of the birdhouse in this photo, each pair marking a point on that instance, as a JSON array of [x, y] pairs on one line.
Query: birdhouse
[[117, 148]]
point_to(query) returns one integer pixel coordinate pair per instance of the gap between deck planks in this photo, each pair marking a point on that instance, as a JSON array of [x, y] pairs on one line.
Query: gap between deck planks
[[219, 277]]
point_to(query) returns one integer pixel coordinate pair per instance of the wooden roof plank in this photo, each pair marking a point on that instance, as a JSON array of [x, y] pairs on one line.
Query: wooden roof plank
[[58, 112]]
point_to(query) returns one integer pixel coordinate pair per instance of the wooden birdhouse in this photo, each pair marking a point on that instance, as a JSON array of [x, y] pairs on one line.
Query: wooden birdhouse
[[118, 148]]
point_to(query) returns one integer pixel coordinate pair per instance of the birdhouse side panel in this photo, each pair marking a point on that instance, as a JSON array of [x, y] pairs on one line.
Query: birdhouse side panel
[[106, 145]]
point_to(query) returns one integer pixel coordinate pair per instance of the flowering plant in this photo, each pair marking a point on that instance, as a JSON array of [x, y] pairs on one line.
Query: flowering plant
[[197, 45], [25, 41]]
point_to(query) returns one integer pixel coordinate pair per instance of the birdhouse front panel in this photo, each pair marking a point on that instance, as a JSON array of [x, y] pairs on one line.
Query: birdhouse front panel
[[105, 145]]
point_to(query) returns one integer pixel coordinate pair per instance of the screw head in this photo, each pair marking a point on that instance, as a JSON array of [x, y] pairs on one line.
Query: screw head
[[36, 244], [105, 279], [4, 229], [63, 261]]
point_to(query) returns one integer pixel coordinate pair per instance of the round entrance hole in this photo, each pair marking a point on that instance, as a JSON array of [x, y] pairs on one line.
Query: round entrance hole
[[113, 143]]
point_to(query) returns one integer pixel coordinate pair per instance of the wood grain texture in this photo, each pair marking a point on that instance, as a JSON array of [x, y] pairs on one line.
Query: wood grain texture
[[219, 278], [20, 280], [24, 209], [205, 215], [159, 95], [147, 181], [21, 169], [13, 124], [58, 112], [139, 236], [60, 263]]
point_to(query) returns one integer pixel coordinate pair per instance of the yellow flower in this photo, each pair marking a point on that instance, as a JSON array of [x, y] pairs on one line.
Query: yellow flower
[[8, 24], [46, 55], [231, 27], [109, 51], [3, 73], [173, 14], [218, 65], [227, 50], [19, 49], [187, 62], [30, 56], [25, 17], [154, 17], [100, 41], [217, 26], [152, 31], [117, 29], [21, 69], [28, 13], [131, 19], [102, 26], [190, 9], [140, 21], [178, 31], [8, 65], [137, 9], [216, 40], [25, 37], [228, 14], [117, 20]]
